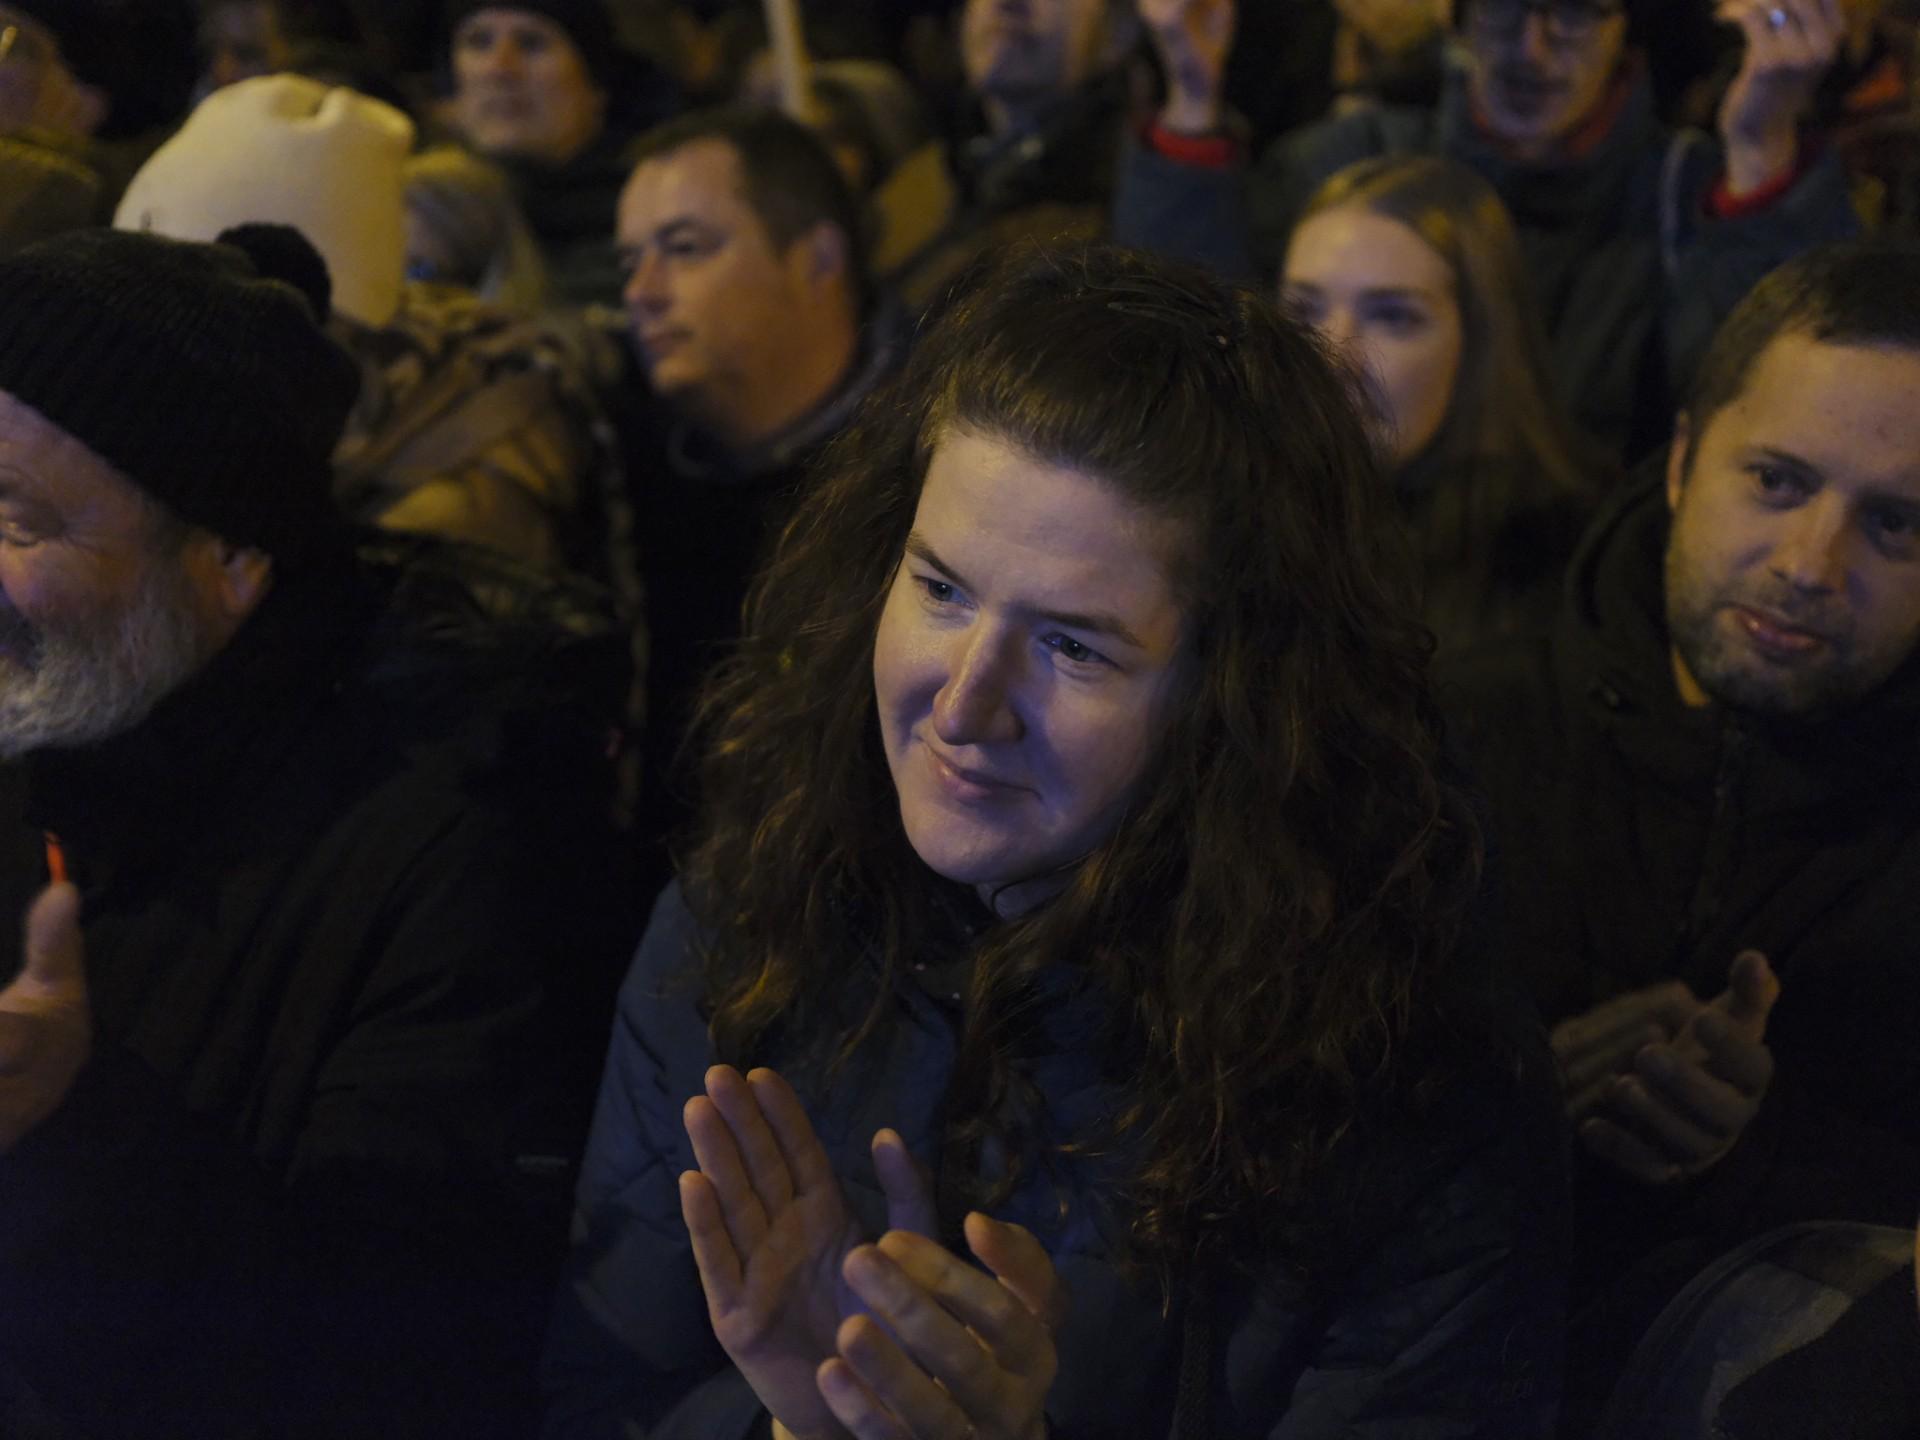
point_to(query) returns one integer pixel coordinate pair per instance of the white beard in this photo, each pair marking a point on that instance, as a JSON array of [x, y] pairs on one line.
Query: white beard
[[102, 676]]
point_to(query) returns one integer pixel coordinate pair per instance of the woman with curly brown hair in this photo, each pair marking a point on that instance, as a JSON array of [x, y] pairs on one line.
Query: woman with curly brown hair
[[1078, 863]]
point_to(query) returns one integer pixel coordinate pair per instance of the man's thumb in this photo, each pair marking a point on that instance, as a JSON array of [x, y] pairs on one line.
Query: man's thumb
[[1752, 987], [55, 956]]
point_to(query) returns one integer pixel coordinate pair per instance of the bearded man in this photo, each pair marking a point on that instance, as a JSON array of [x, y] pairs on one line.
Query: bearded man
[[300, 1050]]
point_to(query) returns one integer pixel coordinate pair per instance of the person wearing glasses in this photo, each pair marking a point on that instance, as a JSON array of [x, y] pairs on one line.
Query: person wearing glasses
[[1640, 239]]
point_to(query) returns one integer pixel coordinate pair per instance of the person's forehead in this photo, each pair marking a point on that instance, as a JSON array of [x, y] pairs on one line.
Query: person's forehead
[[1079, 543], [40, 460], [1361, 246], [701, 180], [499, 16], [1845, 407]]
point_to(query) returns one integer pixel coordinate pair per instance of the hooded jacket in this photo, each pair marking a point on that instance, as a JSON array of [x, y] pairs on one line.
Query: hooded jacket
[[1645, 841]]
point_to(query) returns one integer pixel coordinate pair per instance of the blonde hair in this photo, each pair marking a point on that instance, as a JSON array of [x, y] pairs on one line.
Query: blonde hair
[[1502, 408]]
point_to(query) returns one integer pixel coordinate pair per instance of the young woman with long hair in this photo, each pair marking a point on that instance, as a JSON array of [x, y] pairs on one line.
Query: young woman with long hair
[[1411, 266], [1079, 891]]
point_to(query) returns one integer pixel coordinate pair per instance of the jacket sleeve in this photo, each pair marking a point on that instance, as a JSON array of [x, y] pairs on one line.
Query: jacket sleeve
[[1455, 1327], [391, 1276], [631, 1352], [1714, 262]]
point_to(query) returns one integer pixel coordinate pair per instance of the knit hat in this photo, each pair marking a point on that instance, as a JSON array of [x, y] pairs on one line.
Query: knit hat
[[586, 22], [290, 151], [192, 369]]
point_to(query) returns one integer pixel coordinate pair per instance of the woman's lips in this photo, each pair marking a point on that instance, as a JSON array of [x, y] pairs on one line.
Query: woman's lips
[[970, 786]]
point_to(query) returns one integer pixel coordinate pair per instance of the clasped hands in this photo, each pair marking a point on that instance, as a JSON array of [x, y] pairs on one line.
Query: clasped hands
[[838, 1336], [1660, 1084]]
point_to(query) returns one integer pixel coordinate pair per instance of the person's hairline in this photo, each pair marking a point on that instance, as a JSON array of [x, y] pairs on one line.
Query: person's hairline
[[1697, 422]]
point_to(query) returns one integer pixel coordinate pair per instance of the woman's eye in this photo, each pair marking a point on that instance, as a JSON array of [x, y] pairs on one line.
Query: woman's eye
[[1073, 650], [1399, 319], [938, 591]]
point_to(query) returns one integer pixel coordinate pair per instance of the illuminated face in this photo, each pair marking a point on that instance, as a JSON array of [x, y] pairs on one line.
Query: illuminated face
[[1793, 570], [1029, 654], [708, 296], [100, 615], [1540, 67], [1023, 50], [1379, 292], [522, 89]]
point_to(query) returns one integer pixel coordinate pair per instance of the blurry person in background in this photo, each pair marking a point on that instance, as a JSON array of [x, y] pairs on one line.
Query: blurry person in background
[[756, 333], [101, 82], [240, 39], [1639, 240], [544, 89], [472, 422], [1411, 267], [464, 228], [1035, 147]]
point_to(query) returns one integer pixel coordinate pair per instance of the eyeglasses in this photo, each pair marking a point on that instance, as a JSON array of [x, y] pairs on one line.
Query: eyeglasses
[[1566, 20]]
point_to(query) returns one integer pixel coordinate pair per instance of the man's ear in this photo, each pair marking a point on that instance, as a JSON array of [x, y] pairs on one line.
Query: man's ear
[[827, 254], [233, 579], [91, 107], [1677, 459]]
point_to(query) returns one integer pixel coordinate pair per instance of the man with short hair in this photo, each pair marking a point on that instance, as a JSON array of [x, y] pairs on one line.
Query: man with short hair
[[1640, 240], [756, 336], [1703, 788], [301, 1046]]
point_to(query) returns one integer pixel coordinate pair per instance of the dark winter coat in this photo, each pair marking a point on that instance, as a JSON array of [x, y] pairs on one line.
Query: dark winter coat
[[351, 935], [1632, 275], [1446, 1323], [1646, 841]]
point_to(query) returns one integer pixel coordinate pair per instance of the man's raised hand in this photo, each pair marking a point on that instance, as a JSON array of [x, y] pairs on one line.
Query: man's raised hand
[[1193, 39]]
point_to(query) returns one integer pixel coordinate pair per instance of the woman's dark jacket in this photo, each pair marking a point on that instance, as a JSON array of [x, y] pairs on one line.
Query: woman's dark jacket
[[1446, 1324]]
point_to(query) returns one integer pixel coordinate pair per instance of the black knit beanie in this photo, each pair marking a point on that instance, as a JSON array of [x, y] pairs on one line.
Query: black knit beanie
[[586, 22], [200, 372]]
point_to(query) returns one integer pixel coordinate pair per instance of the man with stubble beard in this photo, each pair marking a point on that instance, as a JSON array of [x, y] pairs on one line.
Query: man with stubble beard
[[1703, 789]]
